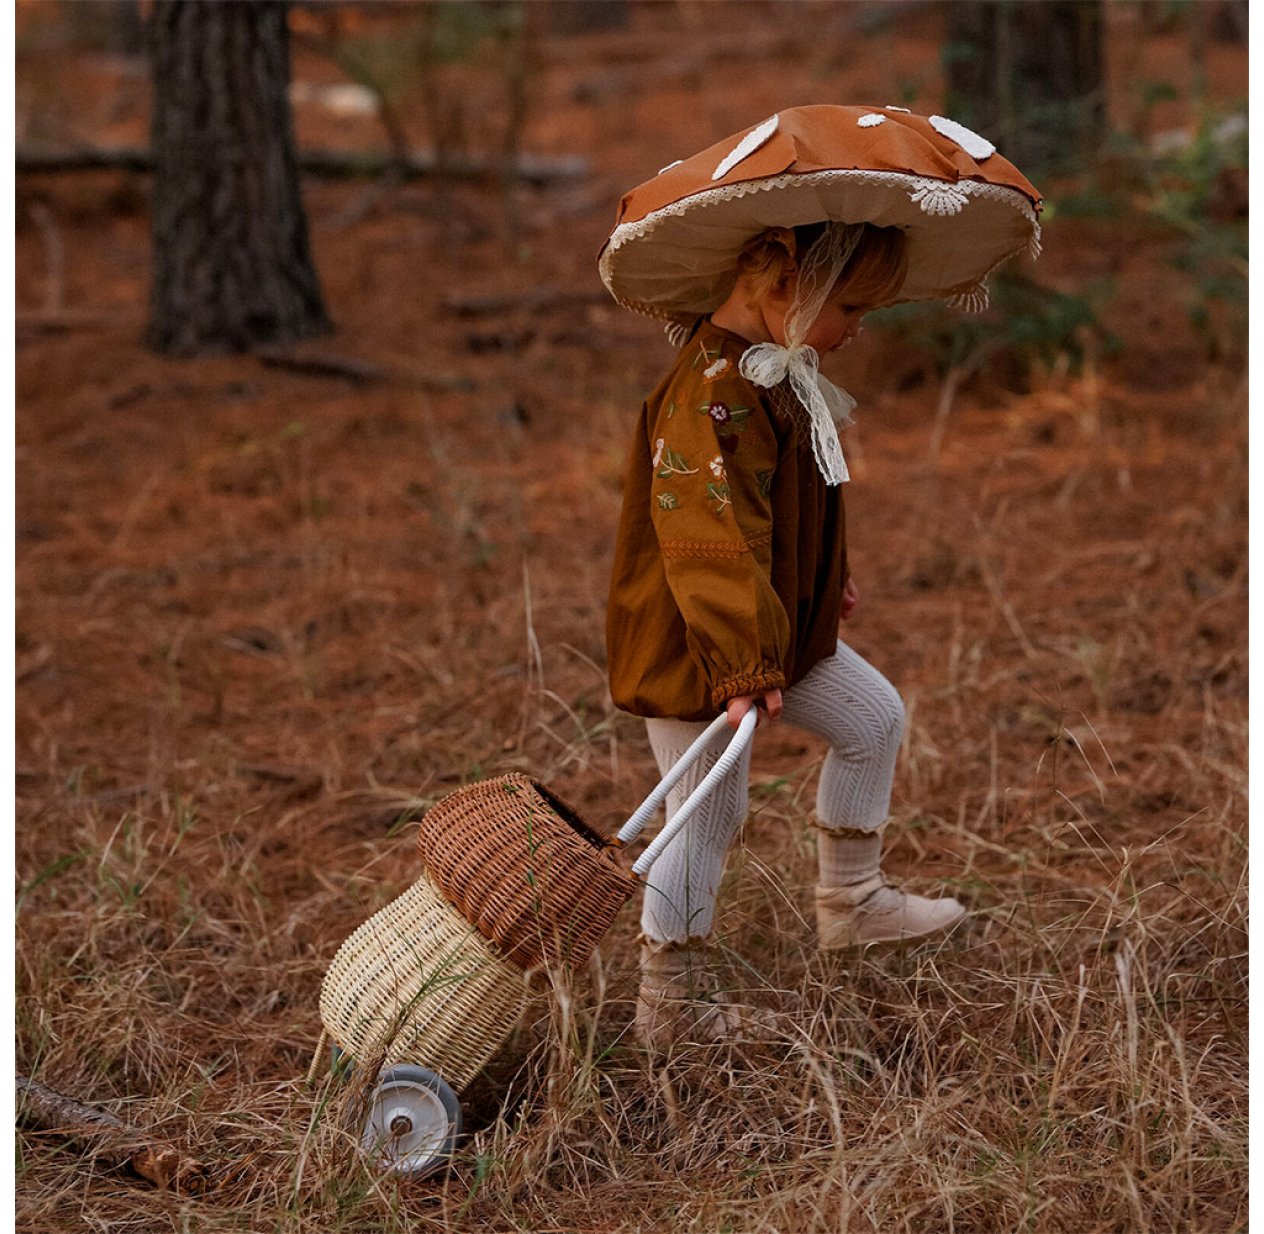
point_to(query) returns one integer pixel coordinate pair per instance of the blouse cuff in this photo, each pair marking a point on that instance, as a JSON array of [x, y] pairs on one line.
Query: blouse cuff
[[746, 683]]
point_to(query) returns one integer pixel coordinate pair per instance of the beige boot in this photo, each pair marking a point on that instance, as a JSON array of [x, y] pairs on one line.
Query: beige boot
[[679, 1000], [856, 907]]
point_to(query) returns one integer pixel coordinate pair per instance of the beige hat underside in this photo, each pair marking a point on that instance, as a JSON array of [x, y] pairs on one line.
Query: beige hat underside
[[681, 259]]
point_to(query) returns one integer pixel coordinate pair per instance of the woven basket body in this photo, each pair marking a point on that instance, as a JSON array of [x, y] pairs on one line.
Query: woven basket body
[[525, 869], [415, 983]]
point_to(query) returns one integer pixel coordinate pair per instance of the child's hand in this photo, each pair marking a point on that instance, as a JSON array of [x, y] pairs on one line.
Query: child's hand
[[769, 704], [851, 597]]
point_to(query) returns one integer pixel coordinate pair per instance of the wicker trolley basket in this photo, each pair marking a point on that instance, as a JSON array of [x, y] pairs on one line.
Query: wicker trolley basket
[[524, 868], [419, 952], [431, 986]]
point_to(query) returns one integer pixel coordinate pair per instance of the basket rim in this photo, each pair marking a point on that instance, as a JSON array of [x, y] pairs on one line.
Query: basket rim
[[606, 846]]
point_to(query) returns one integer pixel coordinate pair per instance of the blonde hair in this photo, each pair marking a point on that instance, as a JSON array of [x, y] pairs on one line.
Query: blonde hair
[[872, 277]]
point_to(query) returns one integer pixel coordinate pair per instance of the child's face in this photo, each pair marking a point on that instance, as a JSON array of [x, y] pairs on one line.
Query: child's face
[[837, 323]]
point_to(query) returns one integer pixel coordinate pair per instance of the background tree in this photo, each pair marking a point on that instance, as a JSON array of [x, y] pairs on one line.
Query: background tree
[[1029, 75], [232, 265]]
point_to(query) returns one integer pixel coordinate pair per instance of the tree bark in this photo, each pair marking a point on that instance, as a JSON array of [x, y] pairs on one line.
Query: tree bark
[[232, 266], [1029, 75]]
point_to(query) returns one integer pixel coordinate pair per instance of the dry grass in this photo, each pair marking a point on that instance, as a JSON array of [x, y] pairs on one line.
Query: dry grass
[[264, 618], [1074, 1060]]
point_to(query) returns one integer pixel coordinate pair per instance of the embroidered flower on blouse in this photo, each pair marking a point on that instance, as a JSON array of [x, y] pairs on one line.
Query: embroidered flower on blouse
[[728, 422], [718, 369], [717, 467], [658, 452]]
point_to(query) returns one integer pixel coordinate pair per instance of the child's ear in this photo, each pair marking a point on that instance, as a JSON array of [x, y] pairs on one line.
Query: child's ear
[[783, 238], [783, 289]]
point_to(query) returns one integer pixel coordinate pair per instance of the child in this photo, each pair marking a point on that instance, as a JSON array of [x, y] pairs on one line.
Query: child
[[730, 575]]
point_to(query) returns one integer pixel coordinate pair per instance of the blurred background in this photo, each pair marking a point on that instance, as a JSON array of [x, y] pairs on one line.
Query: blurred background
[[322, 417]]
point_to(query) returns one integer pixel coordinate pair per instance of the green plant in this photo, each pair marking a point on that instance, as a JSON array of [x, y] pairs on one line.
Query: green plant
[[1028, 326], [1198, 190]]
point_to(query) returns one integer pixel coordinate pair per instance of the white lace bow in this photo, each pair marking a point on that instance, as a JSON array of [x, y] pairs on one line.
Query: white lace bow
[[766, 364], [827, 405]]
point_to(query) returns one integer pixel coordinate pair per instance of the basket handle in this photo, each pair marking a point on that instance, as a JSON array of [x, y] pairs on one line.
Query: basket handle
[[645, 811]]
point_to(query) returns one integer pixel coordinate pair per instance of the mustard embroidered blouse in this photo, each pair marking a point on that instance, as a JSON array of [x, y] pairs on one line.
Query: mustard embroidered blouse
[[731, 552]]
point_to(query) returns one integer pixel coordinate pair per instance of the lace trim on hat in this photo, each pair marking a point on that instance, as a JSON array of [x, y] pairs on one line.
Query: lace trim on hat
[[677, 332], [625, 233], [939, 197], [972, 299]]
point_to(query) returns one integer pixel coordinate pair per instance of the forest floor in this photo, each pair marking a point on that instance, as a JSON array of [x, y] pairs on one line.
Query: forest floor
[[266, 615]]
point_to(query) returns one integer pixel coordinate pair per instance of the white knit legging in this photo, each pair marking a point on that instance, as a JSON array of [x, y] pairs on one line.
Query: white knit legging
[[843, 699]]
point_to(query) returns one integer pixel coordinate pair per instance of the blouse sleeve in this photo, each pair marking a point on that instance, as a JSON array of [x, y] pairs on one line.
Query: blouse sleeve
[[714, 453]]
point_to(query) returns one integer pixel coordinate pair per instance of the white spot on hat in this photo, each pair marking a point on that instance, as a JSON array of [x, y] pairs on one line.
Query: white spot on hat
[[871, 120], [747, 146], [669, 166], [893, 107], [975, 146]]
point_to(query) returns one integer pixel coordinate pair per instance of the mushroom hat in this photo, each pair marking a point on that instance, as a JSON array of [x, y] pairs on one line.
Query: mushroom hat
[[964, 209]]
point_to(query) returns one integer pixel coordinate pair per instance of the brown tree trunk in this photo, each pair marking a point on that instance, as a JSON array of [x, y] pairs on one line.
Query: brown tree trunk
[[232, 267], [1028, 75]]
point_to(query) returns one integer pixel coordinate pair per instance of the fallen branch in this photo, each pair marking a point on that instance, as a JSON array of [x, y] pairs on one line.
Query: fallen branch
[[62, 321], [108, 1138], [331, 164], [311, 362], [537, 300], [322, 364]]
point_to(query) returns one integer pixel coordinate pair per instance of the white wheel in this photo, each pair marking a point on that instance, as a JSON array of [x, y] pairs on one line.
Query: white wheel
[[413, 1121]]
